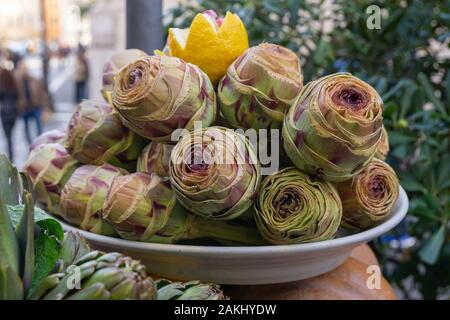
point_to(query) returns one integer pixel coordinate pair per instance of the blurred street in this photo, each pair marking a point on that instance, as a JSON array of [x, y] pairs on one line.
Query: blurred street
[[62, 89]]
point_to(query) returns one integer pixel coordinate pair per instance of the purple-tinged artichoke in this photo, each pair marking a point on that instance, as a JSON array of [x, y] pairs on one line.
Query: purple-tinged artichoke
[[370, 196], [143, 207], [49, 137], [192, 290], [49, 166], [97, 136], [83, 197], [334, 128], [294, 208], [157, 95], [155, 158], [260, 86], [215, 173], [113, 66]]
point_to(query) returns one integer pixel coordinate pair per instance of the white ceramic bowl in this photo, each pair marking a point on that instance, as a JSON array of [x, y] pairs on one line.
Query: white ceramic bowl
[[245, 265]]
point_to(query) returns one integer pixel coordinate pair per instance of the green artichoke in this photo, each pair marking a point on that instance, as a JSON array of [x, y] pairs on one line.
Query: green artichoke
[[49, 137], [383, 147], [102, 276], [97, 136], [334, 128], [369, 197], [143, 207], [83, 197], [193, 290], [157, 95], [215, 173], [155, 158], [49, 166], [260, 86], [113, 67], [294, 208]]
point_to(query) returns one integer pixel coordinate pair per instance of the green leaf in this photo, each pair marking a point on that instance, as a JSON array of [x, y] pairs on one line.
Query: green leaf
[[429, 91], [429, 253], [10, 283], [48, 248], [411, 184], [16, 212]]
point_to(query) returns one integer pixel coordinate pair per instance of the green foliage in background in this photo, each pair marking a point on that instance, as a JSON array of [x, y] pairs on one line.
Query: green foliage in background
[[407, 60]]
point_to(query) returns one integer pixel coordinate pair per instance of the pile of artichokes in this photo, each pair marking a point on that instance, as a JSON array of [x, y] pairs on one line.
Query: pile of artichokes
[[160, 160]]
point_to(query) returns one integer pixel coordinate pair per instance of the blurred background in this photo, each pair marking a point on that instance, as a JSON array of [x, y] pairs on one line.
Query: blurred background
[[57, 48]]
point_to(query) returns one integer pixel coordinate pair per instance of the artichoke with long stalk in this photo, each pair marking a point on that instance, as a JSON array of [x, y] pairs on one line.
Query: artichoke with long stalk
[[260, 86], [48, 137], [96, 136], [111, 68], [155, 158], [157, 95], [83, 196], [383, 147], [49, 167], [192, 290], [215, 173], [293, 208], [369, 197], [334, 128], [143, 207]]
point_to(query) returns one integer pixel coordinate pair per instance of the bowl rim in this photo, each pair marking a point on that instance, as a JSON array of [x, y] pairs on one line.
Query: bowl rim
[[400, 211]]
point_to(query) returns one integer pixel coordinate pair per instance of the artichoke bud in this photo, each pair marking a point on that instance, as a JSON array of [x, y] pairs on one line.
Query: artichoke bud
[[334, 127], [369, 197], [260, 86], [294, 208], [157, 95], [84, 194], [97, 136], [215, 173], [48, 137], [155, 158], [49, 167]]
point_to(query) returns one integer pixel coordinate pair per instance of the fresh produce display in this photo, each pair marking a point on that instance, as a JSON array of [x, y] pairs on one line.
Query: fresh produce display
[[260, 86], [49, 166], [96, 136], [155, 158], [215, 173], [293, 207], [113, 67], [38, 261], [212, 43], [193, 290], [334, 128], [152, 164], [369, 197], [383, 147], [143, 207], [83, 197], [52, 136], [156, 95]]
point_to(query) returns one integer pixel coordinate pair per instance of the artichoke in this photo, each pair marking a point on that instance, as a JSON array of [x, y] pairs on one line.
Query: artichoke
[[155, 158], [383, 147], [334, 127], [143, 207], [114, 65], [369, 197], [156, 95], [103, 276], [49, 166], [49, 137], [260, 86], [294, 208], [84, 194], [215, 173], [192, 290], [96, 136]]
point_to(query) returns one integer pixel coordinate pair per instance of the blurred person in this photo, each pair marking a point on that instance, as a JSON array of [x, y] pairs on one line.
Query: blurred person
[[32, 99], [81, 75], [8, 105]]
